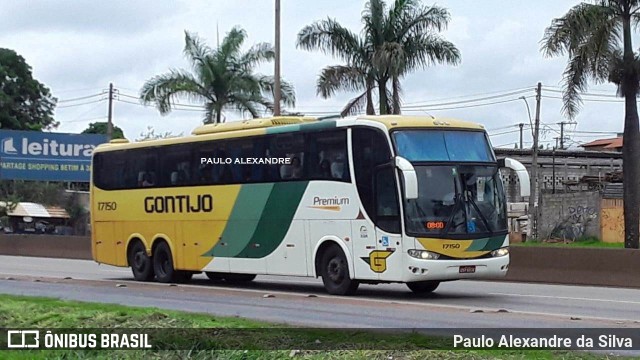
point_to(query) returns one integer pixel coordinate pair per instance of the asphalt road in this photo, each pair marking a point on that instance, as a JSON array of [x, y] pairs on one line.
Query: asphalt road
[[302, 301]]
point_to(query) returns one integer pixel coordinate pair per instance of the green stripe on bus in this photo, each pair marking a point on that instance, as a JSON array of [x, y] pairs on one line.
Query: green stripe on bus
[[243, 220], [276, 219], [310, 126], [486, 244], [494, 243]]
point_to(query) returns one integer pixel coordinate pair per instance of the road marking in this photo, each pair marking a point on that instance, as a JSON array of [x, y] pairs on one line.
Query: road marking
[[568, 298]]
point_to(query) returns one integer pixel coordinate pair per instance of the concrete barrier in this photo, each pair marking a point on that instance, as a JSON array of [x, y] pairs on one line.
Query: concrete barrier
[[51, 246], [554, 265], [577, 266]]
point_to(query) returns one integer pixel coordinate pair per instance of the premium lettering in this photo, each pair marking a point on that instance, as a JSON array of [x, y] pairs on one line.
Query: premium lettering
[[178, 204], [330, 201]]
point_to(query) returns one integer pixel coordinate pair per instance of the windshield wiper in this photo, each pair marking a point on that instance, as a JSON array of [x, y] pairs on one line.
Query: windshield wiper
[[482, 217], [454, 212]]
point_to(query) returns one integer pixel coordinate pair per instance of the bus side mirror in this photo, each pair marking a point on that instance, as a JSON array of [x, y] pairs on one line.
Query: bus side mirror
[[521, 172], [409, 177]]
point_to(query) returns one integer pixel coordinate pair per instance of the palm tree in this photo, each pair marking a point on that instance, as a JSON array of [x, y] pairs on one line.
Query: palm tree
[[598, 40], [221, 78], [394, 42]]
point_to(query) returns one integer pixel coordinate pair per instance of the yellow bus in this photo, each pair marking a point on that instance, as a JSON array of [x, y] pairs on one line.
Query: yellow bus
[[366, 199]]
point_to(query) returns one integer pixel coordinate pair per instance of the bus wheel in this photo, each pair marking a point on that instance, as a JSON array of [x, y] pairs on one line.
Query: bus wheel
[[423, 287], [183, 276], [141, 264], [163, 264], [335, 273], [214, 276], [238, 278]]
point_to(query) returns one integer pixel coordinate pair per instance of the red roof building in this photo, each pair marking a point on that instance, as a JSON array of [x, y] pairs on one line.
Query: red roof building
[[612, 144]]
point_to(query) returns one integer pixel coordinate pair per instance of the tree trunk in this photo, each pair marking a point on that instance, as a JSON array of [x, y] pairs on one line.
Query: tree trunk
[[396, 95], [631, 144], [382, 94], [218, 116], [370, 107]]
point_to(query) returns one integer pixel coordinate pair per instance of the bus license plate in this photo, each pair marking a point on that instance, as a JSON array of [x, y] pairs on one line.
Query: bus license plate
[[467, 269]]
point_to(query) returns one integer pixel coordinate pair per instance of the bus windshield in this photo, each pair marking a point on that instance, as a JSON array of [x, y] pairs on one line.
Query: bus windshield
[[443, 145], [458, 200]]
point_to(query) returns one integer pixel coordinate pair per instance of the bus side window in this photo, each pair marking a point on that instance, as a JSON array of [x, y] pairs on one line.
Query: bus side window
[[141, 168], [327, 154]]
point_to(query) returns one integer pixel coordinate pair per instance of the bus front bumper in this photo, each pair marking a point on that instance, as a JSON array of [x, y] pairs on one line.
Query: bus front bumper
[[422, 270]]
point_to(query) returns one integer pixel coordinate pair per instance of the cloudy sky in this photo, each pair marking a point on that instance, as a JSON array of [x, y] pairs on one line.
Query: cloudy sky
[[77, 47]]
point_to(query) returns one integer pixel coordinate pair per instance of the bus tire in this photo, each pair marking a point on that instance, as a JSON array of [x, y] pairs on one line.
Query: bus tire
[[163, 264], [238, 278], [334, 270], [423, 287], [214, 276], [184, 276], [141, 264]]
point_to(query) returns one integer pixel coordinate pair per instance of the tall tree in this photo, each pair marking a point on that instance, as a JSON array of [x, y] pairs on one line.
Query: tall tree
[[25, 103], [101, 128], [395, 41], [221, 78], [597, 37]]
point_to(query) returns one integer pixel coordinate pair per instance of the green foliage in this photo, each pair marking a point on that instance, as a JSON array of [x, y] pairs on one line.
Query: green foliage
[[395, 41], [221, 78], [46, 193], [25, 103], [175, 331], [101, 128]]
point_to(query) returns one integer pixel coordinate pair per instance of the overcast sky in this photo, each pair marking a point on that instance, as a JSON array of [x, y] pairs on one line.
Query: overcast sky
[[77, 47]]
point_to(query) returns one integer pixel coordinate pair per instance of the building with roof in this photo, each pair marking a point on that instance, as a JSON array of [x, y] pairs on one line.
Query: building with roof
[[34, 218], [611, 144]]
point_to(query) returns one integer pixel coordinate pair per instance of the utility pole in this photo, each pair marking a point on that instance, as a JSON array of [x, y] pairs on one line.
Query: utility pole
[[562, 124], [521, 126], [533, 199], [110, 114], [276, 88]]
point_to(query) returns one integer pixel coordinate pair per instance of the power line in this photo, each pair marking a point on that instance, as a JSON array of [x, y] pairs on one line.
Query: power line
[[81, 98], [146, 106], [584, 93], [472, 95], [463, 107], [586, 100], [505, 132], [173, 104], [468, 101], [82, 104]]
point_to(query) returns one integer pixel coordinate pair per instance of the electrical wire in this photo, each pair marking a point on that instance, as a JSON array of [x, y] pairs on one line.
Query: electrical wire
[[146, 106], [465, 106], [477, 94], [82, 104], [81, 98], [468, 101]]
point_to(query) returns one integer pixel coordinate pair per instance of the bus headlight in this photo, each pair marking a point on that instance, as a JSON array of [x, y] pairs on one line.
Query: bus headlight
[[500, 252], [423, 254]]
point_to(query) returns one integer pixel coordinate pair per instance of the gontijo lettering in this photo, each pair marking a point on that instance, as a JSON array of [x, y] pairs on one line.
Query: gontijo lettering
[[178, 204]]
